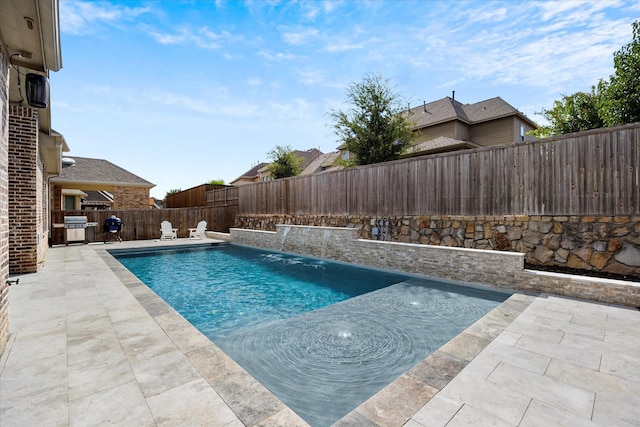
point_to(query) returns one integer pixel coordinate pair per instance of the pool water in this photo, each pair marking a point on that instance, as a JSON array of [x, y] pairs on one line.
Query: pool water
[[225, 288], [322, 336]]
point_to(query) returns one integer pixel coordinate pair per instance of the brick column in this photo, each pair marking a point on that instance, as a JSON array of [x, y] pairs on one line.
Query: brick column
[[23, 182]]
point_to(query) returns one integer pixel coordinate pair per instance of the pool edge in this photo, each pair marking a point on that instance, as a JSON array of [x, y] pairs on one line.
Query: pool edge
[[254, 404]]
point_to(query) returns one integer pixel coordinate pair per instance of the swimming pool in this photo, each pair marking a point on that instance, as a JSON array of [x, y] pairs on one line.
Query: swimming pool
[[329, 335]]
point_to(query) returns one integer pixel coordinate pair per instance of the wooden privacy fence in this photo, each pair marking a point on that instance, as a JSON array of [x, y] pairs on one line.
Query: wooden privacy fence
[[587, 173], [227, 196], [144, 224], [193, 197]]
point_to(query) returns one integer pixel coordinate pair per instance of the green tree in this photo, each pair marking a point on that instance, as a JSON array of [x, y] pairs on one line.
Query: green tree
[[374, 129], [285, 162], [614, 102], [573, 113], [216, 182], [172, 192], [621, 94]]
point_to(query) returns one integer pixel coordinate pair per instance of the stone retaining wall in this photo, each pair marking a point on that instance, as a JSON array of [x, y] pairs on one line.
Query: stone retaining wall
[[592, 243], [495, 268]]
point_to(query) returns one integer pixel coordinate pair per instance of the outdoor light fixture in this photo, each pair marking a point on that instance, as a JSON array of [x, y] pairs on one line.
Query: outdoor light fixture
[[37, 90]]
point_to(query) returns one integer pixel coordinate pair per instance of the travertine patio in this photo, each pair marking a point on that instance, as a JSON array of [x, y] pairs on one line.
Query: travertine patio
[[91, 345]]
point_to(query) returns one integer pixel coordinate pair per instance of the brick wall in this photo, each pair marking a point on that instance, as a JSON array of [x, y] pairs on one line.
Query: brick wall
[[23, 182], [4, 199], [123, 197], [130, 197], [602, 244]]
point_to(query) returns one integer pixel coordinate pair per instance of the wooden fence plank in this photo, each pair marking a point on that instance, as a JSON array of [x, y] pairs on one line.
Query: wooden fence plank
[[594, 172], [144, 224]]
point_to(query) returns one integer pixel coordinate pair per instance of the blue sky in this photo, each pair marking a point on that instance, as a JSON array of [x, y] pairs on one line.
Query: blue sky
[[183, 92]]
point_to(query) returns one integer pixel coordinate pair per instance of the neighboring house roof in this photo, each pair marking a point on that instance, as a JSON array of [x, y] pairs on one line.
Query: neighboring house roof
[[321, 163], [308, 156], [84, 170], [261, 169], [251, 174], [156, 203], [97, 198], [440, 144], [447, 109]]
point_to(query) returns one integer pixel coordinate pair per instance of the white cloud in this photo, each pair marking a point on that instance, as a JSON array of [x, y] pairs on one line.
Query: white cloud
[[79, 17], [169, 39], [204, 38], [298, 36], [343, 46], [279, 56]]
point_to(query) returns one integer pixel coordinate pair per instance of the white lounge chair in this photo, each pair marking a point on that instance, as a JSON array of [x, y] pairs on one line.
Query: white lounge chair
[[167, 232], [198, 232]]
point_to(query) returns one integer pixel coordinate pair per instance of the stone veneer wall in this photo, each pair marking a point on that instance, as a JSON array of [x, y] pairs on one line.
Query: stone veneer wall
[[4, 198], [597, 243], [495, 268], [23, 181]]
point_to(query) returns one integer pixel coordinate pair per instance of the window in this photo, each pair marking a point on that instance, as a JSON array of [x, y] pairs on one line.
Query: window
[[521, 133], [69, 203]]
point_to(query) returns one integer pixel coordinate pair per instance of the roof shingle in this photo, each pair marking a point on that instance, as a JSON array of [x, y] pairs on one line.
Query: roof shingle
[[99, 171]]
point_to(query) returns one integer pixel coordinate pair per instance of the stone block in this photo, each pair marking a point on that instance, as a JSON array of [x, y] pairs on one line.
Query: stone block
[[629, 255], [575, 262], [551, 241], [561, 255], [614, 245], [600, 259], [583, 253], [619, 231], [621, 219], [543, 254], [530, 236]]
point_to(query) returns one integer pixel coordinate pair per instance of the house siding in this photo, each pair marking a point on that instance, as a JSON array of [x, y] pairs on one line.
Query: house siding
[[4, 198], [444, 129], [23, 197], [496, 132], [463, 132]]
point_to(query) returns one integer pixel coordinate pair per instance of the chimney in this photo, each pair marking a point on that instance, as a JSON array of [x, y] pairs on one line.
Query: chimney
[[424, 106], [453, 95]]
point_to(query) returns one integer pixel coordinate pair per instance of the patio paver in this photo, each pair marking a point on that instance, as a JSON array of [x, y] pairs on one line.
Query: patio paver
[[90, 345]]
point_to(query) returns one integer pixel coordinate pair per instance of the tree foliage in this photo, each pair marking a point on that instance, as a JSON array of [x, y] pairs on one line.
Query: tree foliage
[[613, 102], [285, 162], [620, 101], [216, 182], [374, 128], [172, 192], [573, 113]]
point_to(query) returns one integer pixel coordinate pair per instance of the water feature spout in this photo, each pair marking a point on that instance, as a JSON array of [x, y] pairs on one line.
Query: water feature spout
[[325, 237], [284, 237]]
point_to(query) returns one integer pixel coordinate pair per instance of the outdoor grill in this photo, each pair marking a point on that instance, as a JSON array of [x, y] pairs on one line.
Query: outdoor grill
[[75, 229]]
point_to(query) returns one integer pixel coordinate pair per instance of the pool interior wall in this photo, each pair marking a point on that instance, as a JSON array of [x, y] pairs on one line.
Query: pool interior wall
[[501, 269], [326, 362]]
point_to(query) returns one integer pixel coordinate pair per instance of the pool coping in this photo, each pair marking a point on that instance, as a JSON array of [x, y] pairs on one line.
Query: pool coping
[[253, 404]]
